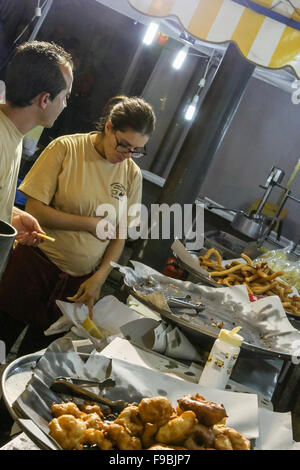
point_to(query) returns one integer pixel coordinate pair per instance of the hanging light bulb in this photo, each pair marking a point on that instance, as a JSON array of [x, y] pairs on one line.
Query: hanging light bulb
[[180, 57], [191, 108], [150, 33]]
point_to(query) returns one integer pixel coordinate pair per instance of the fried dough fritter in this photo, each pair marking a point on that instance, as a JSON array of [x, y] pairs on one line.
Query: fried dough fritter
[[69, 408], [177, 430], [130, 419], [92, 420], [160, 446], [148, 436], [97, 437], [122, 438], [68, 431], [207, 412], [202, 438], [155, 410], [91, 407], [229, 439]]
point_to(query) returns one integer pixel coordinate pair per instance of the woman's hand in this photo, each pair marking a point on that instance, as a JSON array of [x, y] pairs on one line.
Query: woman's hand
[[88, 293], [103, 229], [27, 227]]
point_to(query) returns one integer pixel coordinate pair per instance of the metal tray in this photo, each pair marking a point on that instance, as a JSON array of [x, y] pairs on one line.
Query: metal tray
[[228, 245], [203, 329], [15, 378], [208, 280]]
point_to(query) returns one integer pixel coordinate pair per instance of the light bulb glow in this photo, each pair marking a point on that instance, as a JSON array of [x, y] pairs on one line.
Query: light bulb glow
[[190, 112], [150, 33], [180, 58]]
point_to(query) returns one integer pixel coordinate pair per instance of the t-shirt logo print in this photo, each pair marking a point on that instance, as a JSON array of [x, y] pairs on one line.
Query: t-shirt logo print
[[117, 190]]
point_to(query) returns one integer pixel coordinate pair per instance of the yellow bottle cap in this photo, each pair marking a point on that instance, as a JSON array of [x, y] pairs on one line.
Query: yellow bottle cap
[[91, 328], [231, 337]]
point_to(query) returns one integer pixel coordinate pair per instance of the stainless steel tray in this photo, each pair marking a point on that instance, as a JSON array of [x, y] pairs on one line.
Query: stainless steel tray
[[15, 378], [202, 328], [206, 280]]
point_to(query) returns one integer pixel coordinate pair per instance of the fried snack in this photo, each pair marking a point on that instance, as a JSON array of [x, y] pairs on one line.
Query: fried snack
[[130, 419], [155, 410], [122, 438], [148, 436], [91, 407], [92, 420], [68, 431], [181, 429], [69, 408], [229, 439], [177, 430], [259, 279], [97, 437], [207, 412], [160, 446], [202, 438]]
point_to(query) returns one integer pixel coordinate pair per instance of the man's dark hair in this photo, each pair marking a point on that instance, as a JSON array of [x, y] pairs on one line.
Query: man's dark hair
[[35, 69]]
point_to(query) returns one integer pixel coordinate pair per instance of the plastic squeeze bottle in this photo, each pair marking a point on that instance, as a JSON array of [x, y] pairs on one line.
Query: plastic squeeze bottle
[[221, 360]]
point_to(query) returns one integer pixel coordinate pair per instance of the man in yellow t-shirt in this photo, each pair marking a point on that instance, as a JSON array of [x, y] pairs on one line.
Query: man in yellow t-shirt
[[35, 95]]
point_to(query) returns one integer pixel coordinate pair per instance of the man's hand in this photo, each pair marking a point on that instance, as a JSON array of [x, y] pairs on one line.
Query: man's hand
[[27, 227]]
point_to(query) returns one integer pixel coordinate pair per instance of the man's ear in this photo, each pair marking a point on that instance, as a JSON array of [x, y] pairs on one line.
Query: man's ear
[[108, 126], [43, 100]]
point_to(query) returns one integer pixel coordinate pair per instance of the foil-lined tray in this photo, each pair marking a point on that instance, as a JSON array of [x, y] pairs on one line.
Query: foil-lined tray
[[132, 382], [223, 308]]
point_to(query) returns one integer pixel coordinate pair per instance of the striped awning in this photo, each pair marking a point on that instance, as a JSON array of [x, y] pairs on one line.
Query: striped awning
[[267, 32]]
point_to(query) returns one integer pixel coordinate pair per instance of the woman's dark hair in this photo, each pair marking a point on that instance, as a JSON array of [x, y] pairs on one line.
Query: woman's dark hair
[[34, 69], [128, 113]]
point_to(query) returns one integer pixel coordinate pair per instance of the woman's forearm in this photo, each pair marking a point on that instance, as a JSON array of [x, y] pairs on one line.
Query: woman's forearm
[[52, 218], [112, 253]]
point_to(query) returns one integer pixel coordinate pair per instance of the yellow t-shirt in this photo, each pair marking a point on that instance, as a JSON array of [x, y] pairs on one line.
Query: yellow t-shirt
[[72, 177], [10, 158]]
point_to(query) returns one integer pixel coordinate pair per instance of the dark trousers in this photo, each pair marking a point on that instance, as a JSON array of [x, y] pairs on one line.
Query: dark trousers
[[28, 290], [34, 340]]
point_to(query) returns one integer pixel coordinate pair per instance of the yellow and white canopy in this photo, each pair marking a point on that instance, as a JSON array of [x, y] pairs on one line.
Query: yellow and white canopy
[[267, 32]]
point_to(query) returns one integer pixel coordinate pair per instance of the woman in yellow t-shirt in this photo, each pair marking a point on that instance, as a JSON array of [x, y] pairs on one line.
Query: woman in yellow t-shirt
[[68, 190]]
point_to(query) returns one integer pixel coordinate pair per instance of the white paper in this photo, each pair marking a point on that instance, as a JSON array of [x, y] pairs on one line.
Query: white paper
[[275, 430], [179, 347], [109, 314], [142, 309], [182, 253]]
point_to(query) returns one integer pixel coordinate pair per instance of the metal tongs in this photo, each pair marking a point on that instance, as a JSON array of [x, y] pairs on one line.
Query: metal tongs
[[107, 383], [185, 302], [66, 385]]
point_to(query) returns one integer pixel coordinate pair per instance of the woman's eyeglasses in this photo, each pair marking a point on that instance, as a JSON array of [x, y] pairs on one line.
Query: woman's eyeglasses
[[136, 152]]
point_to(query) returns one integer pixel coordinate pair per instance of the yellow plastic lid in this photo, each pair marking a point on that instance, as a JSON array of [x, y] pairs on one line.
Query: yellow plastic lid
[[231, 337], [91, 328]]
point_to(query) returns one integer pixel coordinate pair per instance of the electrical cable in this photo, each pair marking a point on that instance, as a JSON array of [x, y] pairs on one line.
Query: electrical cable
[[12, 49]]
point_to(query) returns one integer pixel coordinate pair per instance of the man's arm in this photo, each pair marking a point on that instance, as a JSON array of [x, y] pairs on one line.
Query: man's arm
[[27, 227]]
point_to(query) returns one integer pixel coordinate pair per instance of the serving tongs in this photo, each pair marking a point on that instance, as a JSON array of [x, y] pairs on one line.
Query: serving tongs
[[67, 387], [185, 302], [107, 383]]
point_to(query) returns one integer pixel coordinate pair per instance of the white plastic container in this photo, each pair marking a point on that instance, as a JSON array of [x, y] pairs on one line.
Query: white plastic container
[[221, 360]]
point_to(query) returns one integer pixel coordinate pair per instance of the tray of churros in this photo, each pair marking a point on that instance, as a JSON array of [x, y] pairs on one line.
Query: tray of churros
[[259, 279]]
